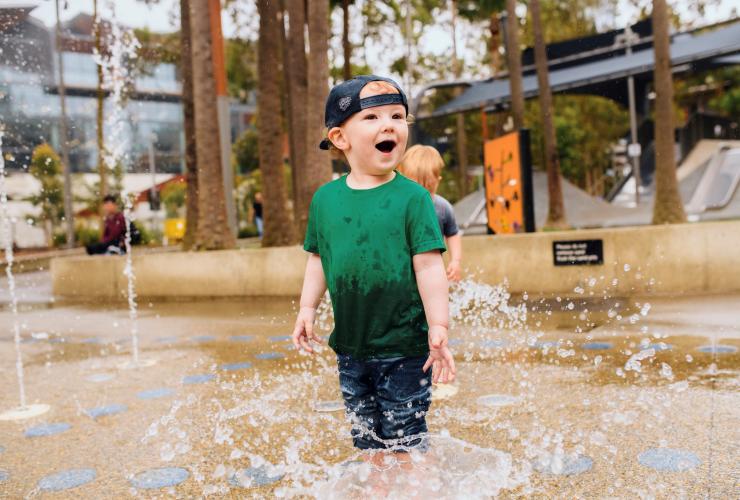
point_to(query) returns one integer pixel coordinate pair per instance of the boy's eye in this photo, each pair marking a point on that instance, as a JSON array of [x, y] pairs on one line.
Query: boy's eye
[[370, 117], [398, 116]]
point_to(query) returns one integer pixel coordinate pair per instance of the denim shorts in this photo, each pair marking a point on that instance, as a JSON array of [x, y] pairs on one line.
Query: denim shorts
[[387, 400]]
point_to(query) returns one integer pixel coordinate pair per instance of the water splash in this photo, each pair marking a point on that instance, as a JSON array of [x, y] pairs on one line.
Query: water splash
[[7, 239], [122, 50]]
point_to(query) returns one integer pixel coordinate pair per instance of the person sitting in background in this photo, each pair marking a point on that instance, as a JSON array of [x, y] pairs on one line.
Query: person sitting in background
[[257, 206], [114, 230], [424, 164]]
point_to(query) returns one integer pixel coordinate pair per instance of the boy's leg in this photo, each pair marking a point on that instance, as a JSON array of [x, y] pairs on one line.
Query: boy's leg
[[403, 397], [360, 401]]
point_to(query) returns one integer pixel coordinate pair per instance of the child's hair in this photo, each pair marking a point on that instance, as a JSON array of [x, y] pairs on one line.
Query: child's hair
[[422, 164]]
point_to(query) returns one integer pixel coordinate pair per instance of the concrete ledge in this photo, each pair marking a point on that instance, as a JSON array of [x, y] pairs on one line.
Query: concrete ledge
[[676, 259]]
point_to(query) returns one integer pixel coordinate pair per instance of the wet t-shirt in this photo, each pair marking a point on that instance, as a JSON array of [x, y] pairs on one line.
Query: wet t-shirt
[[445, 216], [366, 239]]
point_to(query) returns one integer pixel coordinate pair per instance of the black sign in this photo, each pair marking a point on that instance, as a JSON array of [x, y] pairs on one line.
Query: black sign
[[578, 253]]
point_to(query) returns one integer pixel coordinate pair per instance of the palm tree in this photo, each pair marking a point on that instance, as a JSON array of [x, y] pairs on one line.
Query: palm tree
[[278, 224], [191, 169], [514, 62], [212, 228], [556, 209], [477, 10], [461, 138], [100, 97], [318, 167], [297, 81], [668, 206]]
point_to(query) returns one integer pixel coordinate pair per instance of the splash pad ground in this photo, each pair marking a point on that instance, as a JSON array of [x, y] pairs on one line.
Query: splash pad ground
[[229, 408]]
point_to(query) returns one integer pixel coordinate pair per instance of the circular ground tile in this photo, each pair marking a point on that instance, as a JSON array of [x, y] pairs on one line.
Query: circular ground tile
[[660, 346], [198, 379], [204, 338], [167, 340], [102, 411], [241, 338], [269, 355], [230, 367], [596, 346], [47, 429], [255, 476], [571, 466], [160, 478], [668, 459], [161, 392], [280, 338], [493, 343], [328, 406], [100, 377], [22, 413], [718, 349], [2, 449], [498, 400], [67, 479], [4, 475]]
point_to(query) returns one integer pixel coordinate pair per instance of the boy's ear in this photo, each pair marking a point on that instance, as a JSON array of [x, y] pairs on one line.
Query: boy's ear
[[337, 137]]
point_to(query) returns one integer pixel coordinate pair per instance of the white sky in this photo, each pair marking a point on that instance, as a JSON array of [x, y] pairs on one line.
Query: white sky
[[164, 16]]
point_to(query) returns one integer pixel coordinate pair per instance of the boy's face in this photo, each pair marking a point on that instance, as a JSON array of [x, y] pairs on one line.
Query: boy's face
[[374, 139]]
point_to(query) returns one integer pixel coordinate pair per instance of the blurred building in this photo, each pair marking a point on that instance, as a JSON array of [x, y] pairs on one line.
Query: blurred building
[[30, 107]]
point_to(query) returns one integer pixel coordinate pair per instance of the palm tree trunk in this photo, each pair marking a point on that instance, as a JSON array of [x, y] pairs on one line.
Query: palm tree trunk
[[494, 27], [212, 230], [556, 209], [514, 61], [287, 103], [318, 165], [100, 98], [346, 46], [278, 229], [191, 169], [461, 139], [297, 92], [668, 208]]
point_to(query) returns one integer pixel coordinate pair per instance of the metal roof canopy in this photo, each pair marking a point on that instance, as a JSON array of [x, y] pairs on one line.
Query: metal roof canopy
[[605, 77]]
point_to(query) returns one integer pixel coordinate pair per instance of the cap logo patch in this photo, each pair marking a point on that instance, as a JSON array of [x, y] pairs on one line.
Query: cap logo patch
[[344, 103]]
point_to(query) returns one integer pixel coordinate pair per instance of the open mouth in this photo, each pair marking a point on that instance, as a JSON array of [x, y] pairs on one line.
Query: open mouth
[[385, 146]]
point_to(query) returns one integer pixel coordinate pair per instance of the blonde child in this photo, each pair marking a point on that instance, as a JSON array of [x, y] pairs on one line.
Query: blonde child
[[424, 164]]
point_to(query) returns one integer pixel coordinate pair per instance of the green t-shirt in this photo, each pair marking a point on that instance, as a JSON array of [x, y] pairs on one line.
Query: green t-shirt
[[366, 239]]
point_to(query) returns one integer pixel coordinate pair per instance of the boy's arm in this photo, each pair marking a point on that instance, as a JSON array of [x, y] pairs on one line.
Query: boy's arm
[[454, 245], [432, 283], [314, 287]]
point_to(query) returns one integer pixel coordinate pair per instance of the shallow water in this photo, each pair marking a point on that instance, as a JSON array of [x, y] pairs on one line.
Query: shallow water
[[538, 410]]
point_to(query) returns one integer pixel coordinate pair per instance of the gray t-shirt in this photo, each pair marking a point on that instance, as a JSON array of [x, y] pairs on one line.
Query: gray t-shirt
[[445, 216]]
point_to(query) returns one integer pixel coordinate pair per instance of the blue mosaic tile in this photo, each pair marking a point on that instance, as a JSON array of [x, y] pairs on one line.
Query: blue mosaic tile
[[269, 355], [204, 338], [100, 377], [280, 338], [160, 478], [236, 366], [103, 411], [47, 429], [493, 343], [241, 338], [4, 475], [596, 346], [167, 340], [198, 379], [255, 476], [668, 459], [161, 392], [571, 466], [718, 349], [659, 346], [67, 479], [2, 449]]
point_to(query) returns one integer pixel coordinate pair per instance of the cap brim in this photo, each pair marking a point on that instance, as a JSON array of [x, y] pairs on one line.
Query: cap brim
[[324, 145]]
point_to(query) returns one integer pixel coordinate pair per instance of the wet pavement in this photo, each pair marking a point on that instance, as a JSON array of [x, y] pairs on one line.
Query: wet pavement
[[618, 398]]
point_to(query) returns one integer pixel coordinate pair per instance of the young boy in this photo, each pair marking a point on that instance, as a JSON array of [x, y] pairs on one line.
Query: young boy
[[374, 240]]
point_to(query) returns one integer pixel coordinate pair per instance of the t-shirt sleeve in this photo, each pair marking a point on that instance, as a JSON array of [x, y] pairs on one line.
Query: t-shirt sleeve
[[311, 241], [422, 227], [450, 226]]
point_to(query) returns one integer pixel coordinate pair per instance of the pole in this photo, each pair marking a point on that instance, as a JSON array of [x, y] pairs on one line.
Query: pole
[[635, 159], [68, 214]]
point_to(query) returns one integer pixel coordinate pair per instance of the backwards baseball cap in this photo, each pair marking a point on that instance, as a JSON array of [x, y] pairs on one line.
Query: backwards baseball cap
[[344, 101]]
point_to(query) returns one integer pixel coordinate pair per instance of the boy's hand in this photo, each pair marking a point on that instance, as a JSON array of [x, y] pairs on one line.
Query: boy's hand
[[440, 357], [303, 332], [453, 270]]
